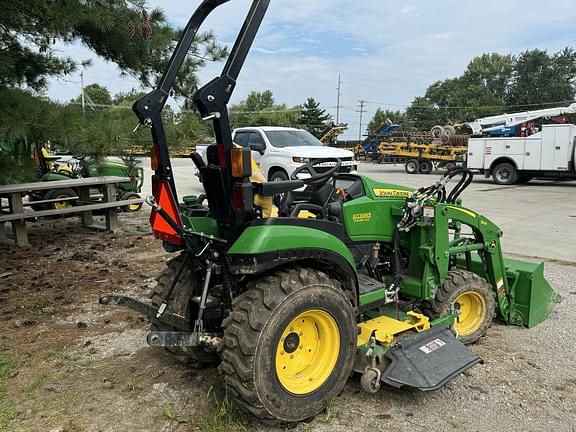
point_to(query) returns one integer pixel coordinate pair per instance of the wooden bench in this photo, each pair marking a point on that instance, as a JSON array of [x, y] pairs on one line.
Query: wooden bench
[[84, 207]]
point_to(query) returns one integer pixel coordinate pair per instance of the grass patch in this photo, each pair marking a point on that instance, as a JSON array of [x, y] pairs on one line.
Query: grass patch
[[39, 306], [110, 381], [9, 364], [225, 416], [132, 385], [567, 385], [169, 414], [60, 356], [7, 411]]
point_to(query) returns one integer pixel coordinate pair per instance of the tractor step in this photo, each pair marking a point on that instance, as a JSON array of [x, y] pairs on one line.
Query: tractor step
[[427, 360], [367, 285]]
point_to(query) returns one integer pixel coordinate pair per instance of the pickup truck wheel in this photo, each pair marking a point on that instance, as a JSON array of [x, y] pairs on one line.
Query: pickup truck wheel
[[505, 174], [279, 199]]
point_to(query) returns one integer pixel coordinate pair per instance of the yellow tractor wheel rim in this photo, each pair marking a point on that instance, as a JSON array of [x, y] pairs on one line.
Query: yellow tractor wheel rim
[[472, 313], [62, 204], [307, 352], [133, 207]]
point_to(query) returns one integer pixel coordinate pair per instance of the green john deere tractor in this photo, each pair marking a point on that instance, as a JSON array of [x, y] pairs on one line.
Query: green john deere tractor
[[384, 280], [52, 169]]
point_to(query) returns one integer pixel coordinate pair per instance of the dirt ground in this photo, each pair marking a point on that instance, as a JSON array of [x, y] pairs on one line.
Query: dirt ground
[[68, 364]]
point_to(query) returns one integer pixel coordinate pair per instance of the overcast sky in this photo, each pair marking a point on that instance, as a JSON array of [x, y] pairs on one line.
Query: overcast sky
[[387, 52]]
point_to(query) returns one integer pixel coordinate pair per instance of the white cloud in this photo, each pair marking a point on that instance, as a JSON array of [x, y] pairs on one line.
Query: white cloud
[[386, 51], [407, 9]]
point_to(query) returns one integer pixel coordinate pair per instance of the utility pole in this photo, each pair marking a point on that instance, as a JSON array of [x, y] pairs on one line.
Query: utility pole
[[338, 100], [82, 95], [361, 110], [82, 87]]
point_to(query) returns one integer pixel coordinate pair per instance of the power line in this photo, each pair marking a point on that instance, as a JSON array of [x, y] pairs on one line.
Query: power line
[[434, 107], [232, 112]]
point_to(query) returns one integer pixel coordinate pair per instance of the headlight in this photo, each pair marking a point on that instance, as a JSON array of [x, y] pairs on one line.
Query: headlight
[[302, 160]]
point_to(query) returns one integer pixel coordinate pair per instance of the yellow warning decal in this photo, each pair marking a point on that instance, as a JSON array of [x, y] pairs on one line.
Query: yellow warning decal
[[468, 212], [361, 217], [391, 193]]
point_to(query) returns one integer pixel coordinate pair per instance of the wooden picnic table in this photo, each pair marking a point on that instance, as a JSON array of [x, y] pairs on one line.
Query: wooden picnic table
[[84, 206]]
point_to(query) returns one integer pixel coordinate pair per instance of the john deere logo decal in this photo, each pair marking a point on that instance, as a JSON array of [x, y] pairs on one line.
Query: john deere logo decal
[[391, 193], [361, 217]]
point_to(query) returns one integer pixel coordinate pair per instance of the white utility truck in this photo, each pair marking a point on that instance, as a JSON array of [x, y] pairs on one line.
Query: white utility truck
[[510, 160]]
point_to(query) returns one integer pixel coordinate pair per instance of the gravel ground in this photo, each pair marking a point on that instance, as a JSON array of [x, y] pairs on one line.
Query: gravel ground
[[68, 364]]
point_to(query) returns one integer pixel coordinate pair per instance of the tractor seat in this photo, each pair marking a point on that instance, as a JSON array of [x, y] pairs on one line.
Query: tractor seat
[[313, 199]]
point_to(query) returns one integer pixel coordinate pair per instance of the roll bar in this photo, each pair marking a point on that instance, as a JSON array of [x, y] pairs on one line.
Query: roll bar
[[211, 99]]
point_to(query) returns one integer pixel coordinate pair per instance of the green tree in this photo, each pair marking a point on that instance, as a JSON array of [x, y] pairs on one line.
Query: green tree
[[424, 114], [139, 41], [494, 83], [313, 118], [382, 117], [25, 121], [97, 94], [541, 79], [191, 129], [494, 72], [260, 109], [127, 98]]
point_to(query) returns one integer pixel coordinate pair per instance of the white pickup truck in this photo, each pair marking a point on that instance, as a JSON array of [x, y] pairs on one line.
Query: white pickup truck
[[549, 153], [280, 150]]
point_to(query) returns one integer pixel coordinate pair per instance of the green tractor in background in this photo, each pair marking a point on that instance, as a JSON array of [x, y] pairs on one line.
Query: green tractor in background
[[52, 168], [385, 280]]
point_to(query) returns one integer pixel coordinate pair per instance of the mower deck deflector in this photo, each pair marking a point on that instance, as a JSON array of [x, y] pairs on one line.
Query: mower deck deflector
[[427, 360]]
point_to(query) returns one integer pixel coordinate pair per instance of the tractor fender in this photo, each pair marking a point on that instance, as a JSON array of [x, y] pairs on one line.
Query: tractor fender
[[260, 249], [52, 176]]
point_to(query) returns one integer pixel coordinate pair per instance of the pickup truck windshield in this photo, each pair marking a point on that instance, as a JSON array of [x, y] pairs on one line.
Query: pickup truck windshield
[[292, 138]]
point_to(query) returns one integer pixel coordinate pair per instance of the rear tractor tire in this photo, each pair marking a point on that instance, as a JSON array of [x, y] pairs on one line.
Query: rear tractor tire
[[289, 345], [475, 299], [179, 305]]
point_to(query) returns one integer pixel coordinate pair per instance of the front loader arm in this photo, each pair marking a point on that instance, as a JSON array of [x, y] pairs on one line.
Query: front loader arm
[[487, 240]]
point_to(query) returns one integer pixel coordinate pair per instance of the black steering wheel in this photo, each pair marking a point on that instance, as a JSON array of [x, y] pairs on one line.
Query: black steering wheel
[[316, 178]]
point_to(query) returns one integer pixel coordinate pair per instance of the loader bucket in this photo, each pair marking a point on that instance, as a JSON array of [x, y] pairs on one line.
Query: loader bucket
[[531, 296]]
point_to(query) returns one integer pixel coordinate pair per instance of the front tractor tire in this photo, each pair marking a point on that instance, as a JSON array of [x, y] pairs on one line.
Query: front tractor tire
[[475, 299], [179, 304], [289, 345]]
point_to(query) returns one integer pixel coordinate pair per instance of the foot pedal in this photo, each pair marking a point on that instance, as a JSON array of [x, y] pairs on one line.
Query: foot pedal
[[428, 360]]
